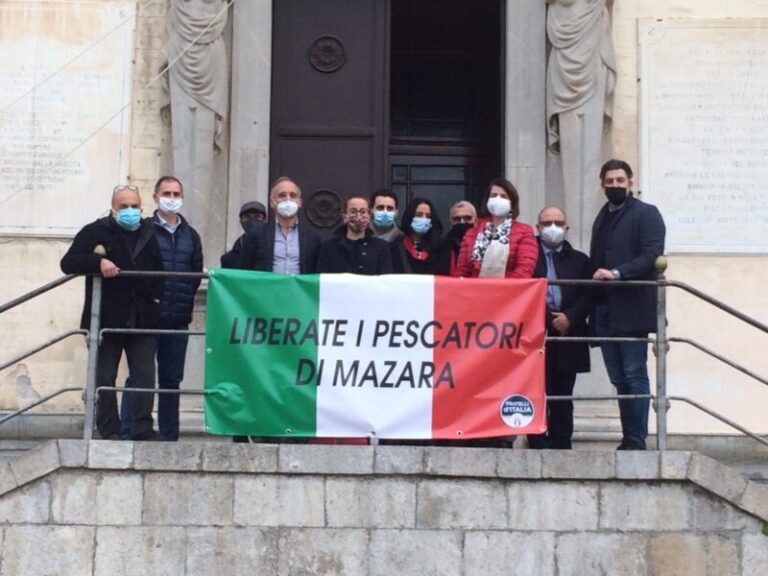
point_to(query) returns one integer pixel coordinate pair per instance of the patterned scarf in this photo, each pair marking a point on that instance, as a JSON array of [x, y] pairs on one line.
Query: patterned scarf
[[488, 235]]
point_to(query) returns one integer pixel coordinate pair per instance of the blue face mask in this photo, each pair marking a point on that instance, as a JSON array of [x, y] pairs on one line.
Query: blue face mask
[[421, 225], [383, 219], [129, 218]]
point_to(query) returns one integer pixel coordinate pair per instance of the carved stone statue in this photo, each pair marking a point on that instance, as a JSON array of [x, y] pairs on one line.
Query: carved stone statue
[[199, 96], [581, 75]]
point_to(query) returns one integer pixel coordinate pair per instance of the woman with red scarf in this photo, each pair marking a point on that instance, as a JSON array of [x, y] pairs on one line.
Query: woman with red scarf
[[498, 246], [421, 249]]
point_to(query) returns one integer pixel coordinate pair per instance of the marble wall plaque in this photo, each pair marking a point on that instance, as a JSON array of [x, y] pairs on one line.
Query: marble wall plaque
[[65, 81], [704, 132]]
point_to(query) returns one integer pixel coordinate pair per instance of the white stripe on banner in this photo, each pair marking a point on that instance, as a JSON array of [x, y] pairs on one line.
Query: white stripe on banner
[[365, 406]]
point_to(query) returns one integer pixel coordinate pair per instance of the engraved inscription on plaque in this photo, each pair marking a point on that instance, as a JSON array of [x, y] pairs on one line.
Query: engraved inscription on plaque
[[65, 75], [704, 130]]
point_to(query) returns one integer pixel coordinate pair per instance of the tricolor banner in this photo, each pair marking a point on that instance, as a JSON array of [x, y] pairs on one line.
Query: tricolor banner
[[398, 356]]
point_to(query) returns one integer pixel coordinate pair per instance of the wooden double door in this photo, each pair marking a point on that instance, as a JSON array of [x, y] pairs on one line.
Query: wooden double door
[[402, 94]]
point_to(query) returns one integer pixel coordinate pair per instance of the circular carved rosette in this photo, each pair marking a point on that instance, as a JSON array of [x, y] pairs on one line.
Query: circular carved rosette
[[323, 209], [327, 54]]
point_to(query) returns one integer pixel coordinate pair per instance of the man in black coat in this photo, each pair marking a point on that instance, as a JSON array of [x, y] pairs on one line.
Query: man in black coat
[[286, 244], [353, 247], [627, 237], [121, 241], [567, 311]]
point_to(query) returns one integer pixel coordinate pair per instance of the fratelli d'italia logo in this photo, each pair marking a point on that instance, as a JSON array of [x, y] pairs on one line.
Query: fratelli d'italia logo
[[517, 411]]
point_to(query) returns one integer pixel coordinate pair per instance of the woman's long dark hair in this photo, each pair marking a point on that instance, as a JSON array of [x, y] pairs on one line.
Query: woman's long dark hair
[[431, 239]]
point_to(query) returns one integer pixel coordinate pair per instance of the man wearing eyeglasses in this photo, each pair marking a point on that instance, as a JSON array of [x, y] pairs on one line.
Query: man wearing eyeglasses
[[285, 244], [353, 247], [463, 216], [567, 311], [121, 241]]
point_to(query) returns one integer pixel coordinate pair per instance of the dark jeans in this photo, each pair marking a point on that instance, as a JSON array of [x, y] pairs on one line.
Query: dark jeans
[[140, 352], [627, 366], [171, 354], [559, 413]]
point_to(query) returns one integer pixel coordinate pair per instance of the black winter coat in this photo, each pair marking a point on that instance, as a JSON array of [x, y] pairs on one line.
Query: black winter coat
[[182, 251], [438, 261], [125, 302], [635, 239], [257, 251], [576, 302], [368, 256]]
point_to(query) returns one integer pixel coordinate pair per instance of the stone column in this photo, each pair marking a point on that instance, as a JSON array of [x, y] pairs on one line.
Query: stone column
[[251, 93], [525, 136]]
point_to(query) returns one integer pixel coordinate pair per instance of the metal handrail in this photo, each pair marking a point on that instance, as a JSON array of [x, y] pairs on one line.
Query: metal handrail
[[719, 304], [720, 357], [661, 401], [36, 292], [41, 347], [39, 401], [719, 417]]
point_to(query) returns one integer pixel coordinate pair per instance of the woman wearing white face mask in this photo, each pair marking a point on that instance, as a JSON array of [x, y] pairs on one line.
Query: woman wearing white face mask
[[421, 249], [498, 246]]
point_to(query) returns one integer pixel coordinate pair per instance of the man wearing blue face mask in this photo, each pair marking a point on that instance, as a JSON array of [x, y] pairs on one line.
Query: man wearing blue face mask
[[122, 241], [384, 215], [182, 251]]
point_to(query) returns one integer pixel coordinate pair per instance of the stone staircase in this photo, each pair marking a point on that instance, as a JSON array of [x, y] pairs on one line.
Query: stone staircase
[[599, 431]]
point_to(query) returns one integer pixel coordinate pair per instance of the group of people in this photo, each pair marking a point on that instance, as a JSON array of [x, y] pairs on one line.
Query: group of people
[[627, 237]]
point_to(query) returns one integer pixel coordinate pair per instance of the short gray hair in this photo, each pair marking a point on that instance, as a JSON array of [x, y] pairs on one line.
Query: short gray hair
[[465, 204]]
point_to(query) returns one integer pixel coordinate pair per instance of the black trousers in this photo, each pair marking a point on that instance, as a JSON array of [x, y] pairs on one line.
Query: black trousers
[[559, 412], [140, 353]]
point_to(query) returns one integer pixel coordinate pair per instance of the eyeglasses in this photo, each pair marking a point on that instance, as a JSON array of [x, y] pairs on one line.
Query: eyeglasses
[[120, 187], [546, 223], [357, 213], [462, 219]]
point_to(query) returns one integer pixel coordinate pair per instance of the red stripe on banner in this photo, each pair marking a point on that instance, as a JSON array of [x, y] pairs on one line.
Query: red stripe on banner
[[491, 334]]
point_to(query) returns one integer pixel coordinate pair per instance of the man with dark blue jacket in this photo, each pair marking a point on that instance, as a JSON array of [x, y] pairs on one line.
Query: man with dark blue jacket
[[181, 251], [627, 237], [121, 241]]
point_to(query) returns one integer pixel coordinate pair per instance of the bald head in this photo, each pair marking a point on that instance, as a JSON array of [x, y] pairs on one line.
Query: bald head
[[552, 226], [552, 214], [125, 197]]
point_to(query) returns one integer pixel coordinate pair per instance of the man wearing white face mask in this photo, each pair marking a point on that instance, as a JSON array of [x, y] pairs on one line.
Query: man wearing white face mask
[[567, 310], [285, 245], [182, 251]]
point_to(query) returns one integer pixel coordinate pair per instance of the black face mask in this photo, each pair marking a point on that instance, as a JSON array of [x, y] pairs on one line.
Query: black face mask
[[616, 195], [251, 225], [457, 231]]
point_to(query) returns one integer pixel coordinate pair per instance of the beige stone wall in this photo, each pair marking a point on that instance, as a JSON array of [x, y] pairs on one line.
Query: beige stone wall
[[30, 262], [73, 508], [739, 281]]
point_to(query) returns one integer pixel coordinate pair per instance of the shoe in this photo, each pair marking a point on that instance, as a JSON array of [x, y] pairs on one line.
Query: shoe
[[147, 436], [630, 446]]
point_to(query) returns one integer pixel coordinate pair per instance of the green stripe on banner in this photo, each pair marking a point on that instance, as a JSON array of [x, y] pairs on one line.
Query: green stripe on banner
[[254, 352]]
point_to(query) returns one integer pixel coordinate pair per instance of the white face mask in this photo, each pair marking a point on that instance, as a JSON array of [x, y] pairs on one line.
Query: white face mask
[[169, 205], [552, 235], [287, 208], [499, 206]]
